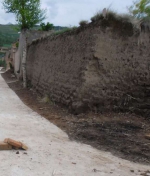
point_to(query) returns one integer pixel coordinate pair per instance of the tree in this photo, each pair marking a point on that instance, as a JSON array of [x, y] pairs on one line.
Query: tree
[[46, 27], [27, 12], [140, 9]]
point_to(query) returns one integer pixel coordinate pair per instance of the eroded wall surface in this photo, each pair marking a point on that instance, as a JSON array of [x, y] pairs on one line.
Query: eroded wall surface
[[56, 66], [93, 69], [118, 77]]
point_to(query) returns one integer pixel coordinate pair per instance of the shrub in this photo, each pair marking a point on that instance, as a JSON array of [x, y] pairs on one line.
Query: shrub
[[83, 23], [97, 16], [17, 44], [46, 27], [65, 30], [111, 15]]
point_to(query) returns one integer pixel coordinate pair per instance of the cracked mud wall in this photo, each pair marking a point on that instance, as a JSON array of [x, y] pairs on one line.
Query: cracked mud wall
[[95, 68], [55, 66], [118, 77]]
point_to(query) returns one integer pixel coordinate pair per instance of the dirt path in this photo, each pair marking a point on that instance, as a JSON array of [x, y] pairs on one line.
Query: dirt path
[[50, 149]]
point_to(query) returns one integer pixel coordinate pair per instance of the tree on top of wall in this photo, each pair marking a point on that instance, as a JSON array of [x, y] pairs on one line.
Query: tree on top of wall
[[140, 9], [28, 12]]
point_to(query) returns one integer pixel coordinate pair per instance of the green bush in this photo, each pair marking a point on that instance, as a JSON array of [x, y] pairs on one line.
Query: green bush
[[17, 44], [46, 27]]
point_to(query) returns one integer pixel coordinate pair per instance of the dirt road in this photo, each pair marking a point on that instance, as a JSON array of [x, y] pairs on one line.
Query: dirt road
[[50, 150]]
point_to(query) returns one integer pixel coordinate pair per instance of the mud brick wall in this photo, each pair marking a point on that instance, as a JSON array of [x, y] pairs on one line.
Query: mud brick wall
[[118, 77], [95, 68], [55, 65]]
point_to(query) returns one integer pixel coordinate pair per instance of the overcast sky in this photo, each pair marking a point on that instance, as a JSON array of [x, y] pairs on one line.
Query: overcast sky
[[71, 12]]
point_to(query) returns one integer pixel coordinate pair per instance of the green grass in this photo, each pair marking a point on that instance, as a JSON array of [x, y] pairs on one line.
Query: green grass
[[64, 30]]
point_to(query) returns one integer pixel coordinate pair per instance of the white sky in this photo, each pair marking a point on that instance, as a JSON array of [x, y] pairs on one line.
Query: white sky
[[71, 12]]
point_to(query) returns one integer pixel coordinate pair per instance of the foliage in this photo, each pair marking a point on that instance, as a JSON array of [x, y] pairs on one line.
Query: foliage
[[97, 16], [27, 12], [46, 27], [64, 30], [17, 44], [140, 9], [111, 15], [83, 23]]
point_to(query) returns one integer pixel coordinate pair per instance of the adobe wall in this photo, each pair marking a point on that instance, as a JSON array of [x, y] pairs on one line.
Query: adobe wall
[[28, 35], [119, 75], [95, 68], [56, 66]]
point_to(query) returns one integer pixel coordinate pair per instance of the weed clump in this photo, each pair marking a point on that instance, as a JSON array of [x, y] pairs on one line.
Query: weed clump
[[120, 23], [66, 30], [98, 16], [111, 16], [46, 99], [83, 23]]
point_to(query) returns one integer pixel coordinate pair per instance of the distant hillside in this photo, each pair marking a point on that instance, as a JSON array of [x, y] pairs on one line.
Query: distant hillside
[[55, 27], [8, 34]]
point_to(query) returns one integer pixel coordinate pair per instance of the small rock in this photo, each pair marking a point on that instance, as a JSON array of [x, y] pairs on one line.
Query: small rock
[[131, 170], [95, 170], [25, 153], [17, 152], [73, 163]]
